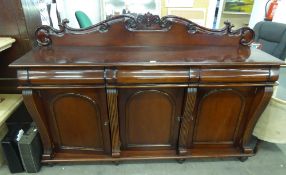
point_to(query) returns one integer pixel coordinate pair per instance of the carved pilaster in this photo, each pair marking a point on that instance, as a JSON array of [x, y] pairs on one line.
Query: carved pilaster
[[188, 117], [114, 121], [33, 104], [262, 98]]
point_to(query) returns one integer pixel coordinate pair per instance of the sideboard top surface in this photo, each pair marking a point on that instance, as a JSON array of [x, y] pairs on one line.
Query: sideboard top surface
[[140, 56]]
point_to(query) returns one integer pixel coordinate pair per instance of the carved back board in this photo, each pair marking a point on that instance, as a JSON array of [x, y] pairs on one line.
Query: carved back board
[[140, 38], [144, 30]]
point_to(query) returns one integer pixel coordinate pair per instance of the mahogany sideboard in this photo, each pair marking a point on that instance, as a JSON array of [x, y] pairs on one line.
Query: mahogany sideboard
[[145, 87]]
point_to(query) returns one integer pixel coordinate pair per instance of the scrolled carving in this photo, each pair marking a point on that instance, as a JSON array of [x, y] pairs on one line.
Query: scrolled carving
[[148, 19], [165, 23], [247, 34], [144, 23], [43, 35], [103, 27], [192, 28], [130, 24]]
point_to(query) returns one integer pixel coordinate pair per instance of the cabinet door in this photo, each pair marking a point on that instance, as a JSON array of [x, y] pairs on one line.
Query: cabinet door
[[149, 117], [78, 119], [220, 115]]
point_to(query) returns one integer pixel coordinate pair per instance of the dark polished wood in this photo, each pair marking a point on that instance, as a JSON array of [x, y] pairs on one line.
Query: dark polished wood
[[128, 30], [139, 117], [112, 95], [225, 123], [35, 108], [18, 19], [187, 121], [261, 99], [80, 115], [145, 88]]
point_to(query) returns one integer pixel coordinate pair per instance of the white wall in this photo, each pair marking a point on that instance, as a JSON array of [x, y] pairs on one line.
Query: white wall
[[280, 15], [258, 12], [92, 8]]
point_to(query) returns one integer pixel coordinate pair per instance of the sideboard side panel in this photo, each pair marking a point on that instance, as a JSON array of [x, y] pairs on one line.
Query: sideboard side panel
[[262, 98], [34, 106]]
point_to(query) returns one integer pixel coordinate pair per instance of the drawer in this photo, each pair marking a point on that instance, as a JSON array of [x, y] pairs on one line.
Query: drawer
[[61, 76], [171, 75], [235, 75]]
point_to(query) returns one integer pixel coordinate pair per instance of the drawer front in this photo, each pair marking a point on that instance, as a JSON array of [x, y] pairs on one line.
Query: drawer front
[[144, 75], [171, 75], [62, 76], [234, 75]]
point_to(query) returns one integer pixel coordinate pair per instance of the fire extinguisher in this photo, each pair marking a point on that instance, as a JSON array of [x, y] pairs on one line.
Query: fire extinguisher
[[271, 10]]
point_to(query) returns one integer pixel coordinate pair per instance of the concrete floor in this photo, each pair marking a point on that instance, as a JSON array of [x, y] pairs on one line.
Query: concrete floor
[[270, 160]]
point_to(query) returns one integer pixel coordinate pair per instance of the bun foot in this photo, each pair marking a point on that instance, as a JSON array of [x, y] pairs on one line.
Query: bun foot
[[180, 161], [243, 159], [115, 163], [50, 164]]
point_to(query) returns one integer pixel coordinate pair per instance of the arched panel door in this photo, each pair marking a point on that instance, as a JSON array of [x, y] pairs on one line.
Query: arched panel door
[[219, 116], [149, 118], [78, 120]]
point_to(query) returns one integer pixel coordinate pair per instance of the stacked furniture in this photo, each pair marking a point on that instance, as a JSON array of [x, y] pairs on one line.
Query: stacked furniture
[[142, 87]]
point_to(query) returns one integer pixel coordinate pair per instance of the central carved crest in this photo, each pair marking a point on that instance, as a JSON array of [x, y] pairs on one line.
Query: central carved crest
[[148, 19], [145, 22]]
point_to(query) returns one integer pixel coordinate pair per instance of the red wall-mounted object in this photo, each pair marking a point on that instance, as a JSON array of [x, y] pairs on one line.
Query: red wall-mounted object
[[271, 10]]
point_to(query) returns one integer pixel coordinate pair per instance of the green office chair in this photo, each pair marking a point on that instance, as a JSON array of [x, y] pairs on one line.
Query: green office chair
[[82, 19]]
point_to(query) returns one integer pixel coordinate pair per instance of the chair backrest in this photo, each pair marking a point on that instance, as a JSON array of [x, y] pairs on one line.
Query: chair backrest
[[272, 36], [82, 19]]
